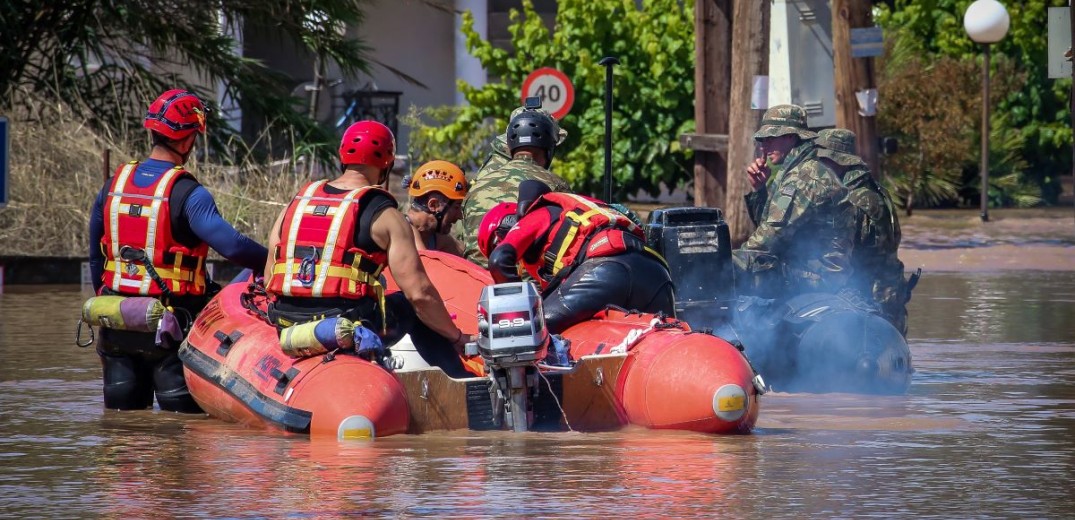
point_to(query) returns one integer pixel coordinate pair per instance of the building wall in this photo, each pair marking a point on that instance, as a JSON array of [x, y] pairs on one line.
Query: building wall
[[407, 35], [419, 41], [800, 59]]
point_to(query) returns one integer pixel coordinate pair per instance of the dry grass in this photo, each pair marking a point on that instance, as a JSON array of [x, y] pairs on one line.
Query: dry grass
[[56, 171]]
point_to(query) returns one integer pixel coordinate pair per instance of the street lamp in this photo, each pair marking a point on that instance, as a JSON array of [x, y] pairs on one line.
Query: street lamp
[[986, 22]]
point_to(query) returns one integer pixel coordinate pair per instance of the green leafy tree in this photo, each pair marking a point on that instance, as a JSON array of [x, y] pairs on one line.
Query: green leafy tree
[[467, 149], [654, 88], [109, 59], [932, 105], [1038, 111]]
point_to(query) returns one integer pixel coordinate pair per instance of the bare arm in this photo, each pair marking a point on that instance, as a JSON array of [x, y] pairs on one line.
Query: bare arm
[[447, 243], [393, 234]]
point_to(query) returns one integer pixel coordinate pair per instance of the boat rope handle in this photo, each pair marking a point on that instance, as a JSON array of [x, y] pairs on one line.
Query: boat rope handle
[[78, 335], [634, 336]]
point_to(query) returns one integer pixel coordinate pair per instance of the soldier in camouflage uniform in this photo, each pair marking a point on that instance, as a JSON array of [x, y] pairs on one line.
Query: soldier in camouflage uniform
[[803, 239], [494, 184], [878, 271]]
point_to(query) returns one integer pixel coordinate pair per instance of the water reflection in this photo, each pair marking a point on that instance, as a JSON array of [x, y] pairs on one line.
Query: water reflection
[[985, 431]]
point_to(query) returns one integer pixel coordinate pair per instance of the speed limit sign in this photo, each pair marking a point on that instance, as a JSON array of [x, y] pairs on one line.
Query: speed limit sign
[[552, 86]]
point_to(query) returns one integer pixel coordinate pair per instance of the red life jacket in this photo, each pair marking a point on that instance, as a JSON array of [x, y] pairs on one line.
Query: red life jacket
[[317, 256], [587, 229], [139, 220]]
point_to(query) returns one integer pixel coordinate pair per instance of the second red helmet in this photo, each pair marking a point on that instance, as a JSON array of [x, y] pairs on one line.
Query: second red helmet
[[368, 142], [491, 231]]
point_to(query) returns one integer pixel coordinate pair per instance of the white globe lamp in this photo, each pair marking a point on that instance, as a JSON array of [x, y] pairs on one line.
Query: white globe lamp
[[986, 22]]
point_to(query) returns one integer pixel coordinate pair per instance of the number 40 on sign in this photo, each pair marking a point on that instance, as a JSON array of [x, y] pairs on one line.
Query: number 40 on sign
[[552, 86]]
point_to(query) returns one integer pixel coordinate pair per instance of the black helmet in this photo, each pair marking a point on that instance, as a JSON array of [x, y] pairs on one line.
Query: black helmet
[[532, 128]]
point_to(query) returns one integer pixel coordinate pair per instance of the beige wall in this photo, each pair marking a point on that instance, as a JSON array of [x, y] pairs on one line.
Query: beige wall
[[407, 35], [419, 41]]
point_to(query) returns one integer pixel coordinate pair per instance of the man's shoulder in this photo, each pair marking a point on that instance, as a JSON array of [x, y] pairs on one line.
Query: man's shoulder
[[816, 176], [516, 171], [868, 201], [860, 177]]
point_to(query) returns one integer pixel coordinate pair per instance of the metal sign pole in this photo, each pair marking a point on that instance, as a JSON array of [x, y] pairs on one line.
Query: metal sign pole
[[608, 62]]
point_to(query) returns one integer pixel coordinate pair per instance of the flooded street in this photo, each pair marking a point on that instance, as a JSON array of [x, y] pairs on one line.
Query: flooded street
[[987, 430]]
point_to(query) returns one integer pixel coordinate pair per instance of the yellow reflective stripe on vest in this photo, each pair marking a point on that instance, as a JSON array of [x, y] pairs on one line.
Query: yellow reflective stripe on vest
[[113, 216], [151, 228], [350, 273], [293, 232], [579, 221], [184, 275], [658, 256], [558, 264], [178, 272], [331, 239]]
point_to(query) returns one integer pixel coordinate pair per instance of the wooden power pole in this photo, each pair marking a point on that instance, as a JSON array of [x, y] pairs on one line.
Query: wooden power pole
[[712, 87], [852, 75], [750, 58]]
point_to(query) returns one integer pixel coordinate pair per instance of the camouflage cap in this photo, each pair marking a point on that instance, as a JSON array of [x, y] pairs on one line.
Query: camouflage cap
[[783, 120], [561, 133], [838, 144]]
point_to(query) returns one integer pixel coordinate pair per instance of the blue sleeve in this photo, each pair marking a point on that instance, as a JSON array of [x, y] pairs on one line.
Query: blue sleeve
[[97, 232], [206, 222]]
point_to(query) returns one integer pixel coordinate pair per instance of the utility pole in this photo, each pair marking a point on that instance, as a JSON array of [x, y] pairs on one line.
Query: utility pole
[[852, 75], [750, 58], [1071, 100], [712, 87]]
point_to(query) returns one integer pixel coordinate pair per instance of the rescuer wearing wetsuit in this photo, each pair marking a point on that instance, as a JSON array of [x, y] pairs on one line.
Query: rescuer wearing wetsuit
[[584, 255], [155, 212], [329, 246]]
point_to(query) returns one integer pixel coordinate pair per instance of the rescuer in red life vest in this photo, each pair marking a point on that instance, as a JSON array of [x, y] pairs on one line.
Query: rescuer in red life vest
[[583, 254], [328, 247], [151, 228]]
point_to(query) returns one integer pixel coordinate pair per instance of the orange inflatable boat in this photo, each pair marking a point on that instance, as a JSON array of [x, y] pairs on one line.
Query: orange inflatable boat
[[630, 368]]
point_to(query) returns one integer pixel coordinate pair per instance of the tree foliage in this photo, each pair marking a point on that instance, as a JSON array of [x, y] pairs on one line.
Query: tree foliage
[[653, 94], [932, 104], [109, 59], [467, 149], [1038, 111]]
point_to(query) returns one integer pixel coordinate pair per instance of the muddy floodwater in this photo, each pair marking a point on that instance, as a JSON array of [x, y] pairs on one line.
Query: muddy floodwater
[[986, 431]]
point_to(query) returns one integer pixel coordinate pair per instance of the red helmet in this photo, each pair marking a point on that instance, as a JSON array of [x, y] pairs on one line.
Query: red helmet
[[368, 142], [493, 226], [176, 114]]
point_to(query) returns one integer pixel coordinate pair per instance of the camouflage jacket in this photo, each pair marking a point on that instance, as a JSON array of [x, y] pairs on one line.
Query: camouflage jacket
[[498, 156], [491, 187], [878, 271], [803, 239]]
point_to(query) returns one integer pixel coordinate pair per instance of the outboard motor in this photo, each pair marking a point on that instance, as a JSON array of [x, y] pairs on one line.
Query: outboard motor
[[698, 248], [512, 339]]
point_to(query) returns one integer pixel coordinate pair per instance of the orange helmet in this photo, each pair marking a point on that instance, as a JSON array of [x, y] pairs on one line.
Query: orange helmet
[[495, 225], [440, 176]]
